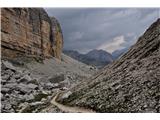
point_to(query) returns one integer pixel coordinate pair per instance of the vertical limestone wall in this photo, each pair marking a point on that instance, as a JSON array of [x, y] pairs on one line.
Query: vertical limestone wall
[[28, 32]]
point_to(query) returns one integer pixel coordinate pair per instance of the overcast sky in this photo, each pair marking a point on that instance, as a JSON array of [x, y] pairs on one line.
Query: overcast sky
[[109, 29]]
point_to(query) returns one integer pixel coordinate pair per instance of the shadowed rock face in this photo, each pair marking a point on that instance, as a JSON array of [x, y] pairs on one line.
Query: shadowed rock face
[[58, 37], [28, 32], [130, 84]]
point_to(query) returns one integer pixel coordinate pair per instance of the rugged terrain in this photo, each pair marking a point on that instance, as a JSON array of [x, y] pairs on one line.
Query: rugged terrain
[[129, 84], [37, 77], [33, 67], [30, 88], [97, 58]]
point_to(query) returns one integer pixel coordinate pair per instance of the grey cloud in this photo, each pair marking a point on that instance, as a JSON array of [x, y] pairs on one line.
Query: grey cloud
[[88, 28]]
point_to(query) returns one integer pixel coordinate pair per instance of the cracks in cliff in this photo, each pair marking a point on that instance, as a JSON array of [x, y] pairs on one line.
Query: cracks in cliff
[[6, 47], [41, 35]]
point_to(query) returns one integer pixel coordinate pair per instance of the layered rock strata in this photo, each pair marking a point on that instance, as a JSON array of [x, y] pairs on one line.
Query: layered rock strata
[[28, 32]]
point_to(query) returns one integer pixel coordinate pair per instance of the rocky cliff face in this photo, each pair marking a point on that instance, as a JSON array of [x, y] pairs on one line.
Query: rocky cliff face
[[28, 32], [58, 37], [130, 84]]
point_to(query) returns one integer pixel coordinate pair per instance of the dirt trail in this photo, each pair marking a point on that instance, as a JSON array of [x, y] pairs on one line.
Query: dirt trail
[[69, 109]]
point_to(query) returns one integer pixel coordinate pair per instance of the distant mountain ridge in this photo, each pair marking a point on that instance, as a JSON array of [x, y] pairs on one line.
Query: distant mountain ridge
[[117, 53], [98, 58]]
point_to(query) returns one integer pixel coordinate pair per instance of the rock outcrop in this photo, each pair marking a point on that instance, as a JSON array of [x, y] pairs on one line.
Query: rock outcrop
[[29, 32], [130, 84]]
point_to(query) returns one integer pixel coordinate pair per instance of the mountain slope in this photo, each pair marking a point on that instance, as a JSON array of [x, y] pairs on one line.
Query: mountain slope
[[130, 84], [98, 58]]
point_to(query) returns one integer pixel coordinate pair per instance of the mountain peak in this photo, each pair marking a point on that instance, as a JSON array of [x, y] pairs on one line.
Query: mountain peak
[[100, 54], [98, 58]]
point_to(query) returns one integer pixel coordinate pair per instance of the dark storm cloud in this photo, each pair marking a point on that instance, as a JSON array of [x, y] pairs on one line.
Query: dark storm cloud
[[102, 28]]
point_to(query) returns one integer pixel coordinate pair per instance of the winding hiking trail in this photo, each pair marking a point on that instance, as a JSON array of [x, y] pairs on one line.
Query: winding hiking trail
[[69, 109]]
